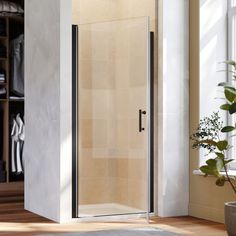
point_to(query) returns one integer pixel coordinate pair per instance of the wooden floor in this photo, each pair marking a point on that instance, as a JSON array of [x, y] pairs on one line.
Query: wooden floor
[[14, 220]]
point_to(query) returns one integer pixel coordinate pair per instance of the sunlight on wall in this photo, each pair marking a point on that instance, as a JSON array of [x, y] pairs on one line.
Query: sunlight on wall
[[213, 46], [208, 81], [209, 78], [208, 21]]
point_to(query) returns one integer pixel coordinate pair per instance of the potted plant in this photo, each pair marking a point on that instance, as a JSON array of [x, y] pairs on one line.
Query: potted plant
[[215, 138]]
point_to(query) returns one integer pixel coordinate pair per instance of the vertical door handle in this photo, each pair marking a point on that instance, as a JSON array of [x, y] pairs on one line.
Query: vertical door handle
[[141, 113]]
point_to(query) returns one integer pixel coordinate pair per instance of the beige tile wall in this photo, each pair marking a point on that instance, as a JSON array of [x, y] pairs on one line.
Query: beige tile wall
[[112, 88], [90, 11]]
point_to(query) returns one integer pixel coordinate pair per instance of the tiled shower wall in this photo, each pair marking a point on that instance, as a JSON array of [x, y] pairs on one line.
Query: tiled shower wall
[[91, 11], [112, 88]]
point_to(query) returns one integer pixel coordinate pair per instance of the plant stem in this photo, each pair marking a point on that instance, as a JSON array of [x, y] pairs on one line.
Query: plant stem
[[229, 179]]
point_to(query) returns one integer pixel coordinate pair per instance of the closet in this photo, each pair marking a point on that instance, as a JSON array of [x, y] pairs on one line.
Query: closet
[[11, 96]]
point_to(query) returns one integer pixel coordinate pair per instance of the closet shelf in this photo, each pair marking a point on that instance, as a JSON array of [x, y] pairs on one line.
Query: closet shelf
[[16, 181], [16, 18], [3, 100], [16, 100]]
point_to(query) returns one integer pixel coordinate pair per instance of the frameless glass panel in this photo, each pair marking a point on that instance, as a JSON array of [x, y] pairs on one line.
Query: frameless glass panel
[[112, 103]]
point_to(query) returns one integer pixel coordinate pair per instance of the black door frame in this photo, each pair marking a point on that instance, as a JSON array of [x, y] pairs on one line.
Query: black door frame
[[74, 121], [75, 154]]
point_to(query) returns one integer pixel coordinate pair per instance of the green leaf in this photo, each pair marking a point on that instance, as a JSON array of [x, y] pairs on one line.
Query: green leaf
[[227, 129], [226, 85], [223, 84], [231, 90], [222, 145], [230, 94], [216, 163], [219, 164], [211, 162], [212, 168], [220, 181], [228, 161], [232, 109], [220, 155], [225, 107], [231, 63], [209, 171]]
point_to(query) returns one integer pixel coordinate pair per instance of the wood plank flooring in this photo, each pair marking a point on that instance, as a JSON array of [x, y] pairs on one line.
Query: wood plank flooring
[[14, 220]]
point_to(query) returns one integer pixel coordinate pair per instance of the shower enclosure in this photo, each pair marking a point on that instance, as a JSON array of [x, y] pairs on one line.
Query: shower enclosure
[[112, 118]]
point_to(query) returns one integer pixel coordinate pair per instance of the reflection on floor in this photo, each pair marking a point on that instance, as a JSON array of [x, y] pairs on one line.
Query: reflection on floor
[[15, 221], [106, 210]]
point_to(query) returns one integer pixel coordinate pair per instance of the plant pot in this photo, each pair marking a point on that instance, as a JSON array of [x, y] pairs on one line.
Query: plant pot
[[230, 218]]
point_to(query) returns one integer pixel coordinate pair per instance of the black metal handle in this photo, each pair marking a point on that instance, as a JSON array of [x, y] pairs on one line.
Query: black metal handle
[[141, 113]]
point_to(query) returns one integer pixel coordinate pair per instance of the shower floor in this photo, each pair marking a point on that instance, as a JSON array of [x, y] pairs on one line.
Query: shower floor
[[106, 210]]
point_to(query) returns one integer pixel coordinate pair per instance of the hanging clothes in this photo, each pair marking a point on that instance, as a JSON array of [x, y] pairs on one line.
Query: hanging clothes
[[17, 144], [2, 76], [21, 136], [1, 134], [3, 93], [14, 140], [2, 171], [10, 8], [17, 66]]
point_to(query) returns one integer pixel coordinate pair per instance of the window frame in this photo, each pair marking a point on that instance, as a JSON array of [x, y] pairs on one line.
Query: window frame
[[231, 51]]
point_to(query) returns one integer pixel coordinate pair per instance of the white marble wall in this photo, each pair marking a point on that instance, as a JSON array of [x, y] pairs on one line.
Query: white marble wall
[[173, 110], [48, 108]]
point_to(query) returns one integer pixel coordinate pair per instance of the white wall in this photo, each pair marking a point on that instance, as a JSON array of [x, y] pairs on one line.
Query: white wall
[[173, 111], [48, 108]]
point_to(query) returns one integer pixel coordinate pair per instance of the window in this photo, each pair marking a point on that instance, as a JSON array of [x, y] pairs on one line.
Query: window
[[213, 50], [232, 3], [232, 30], [232, 56]]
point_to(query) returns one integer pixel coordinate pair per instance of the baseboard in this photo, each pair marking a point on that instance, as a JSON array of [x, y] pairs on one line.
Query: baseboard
[[207, 213]]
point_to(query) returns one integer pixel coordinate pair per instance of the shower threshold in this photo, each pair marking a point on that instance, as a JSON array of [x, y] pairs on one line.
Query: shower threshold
[[106, 209]]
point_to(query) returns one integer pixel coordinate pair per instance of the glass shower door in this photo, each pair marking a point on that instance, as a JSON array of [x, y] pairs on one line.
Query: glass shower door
[[113, 115]]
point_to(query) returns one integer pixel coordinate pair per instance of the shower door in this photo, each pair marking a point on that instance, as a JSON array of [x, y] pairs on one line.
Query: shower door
[[113, 104]]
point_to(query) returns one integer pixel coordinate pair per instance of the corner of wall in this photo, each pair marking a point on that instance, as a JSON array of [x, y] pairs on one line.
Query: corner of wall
[[65, 110], [173, 83]]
